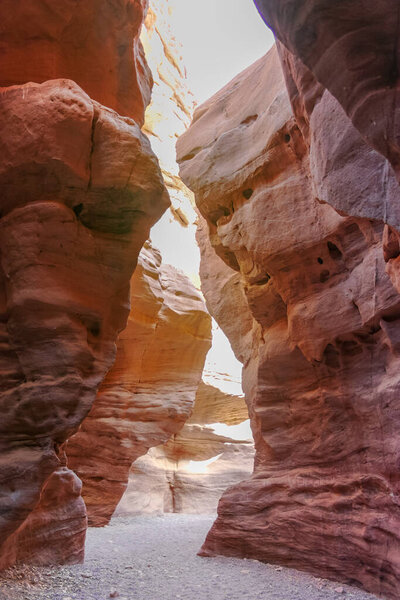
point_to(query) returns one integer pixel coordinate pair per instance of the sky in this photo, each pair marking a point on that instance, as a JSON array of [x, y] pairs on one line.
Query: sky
[[220, 38]]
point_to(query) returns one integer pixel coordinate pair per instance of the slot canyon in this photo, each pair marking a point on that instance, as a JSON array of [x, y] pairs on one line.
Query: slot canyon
[[200, 300]]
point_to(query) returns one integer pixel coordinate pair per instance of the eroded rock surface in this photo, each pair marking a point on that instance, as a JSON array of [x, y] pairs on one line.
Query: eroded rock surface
[[189, 473], [149, 393], [315, 324], [80, 191], [92, 42], [353, 49]]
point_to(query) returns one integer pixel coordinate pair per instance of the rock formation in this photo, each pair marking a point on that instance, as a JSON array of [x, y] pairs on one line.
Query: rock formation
[[188, 474], [149, 393], [293, 271], [167, 117], [353, 50], [80, 191], [94, 43]]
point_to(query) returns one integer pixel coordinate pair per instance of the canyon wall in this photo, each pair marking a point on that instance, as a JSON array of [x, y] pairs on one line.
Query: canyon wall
[[149, 392], [189, 473], [80, 191], [293, 271], [353, 50]]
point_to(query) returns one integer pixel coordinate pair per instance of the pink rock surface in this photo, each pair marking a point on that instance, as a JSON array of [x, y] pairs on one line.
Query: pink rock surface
[[315, 324], [149, 393], [353, 49]]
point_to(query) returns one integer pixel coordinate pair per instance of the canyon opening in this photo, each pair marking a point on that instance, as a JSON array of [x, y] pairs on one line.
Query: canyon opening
[[199, 310]]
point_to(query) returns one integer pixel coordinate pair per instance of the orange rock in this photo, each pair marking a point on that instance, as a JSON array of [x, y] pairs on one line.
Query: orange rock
[[149, 393], [315, 323], [95, 43]]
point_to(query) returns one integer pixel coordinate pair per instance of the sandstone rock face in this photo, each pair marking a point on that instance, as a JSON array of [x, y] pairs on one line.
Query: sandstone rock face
[[188, 474], [353, 49], [149, 392], [92, 42], [301, 291], [80, 191]]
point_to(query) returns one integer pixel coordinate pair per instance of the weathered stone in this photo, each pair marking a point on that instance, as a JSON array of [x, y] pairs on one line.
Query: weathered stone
[[353, 51], [319, 317], [80, 191], [92, 42], [189, 473], [149, 393]]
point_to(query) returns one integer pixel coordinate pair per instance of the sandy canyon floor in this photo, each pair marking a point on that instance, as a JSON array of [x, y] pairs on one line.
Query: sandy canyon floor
[[154, 558]]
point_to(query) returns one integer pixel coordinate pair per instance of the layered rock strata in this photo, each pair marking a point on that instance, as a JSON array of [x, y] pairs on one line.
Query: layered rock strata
[[301, 291], [188, 474], [149, 393], [80, 191]]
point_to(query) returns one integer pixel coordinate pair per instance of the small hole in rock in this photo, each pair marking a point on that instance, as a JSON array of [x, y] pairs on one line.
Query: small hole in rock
[[319, 259], [264, 280], [334, 251], [78, 209], [249, 119], [188, 156], [225, 210], [94, 329], [247, 193]]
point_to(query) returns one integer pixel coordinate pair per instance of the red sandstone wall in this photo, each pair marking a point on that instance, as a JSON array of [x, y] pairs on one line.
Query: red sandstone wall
[[315, 323], [353, 50], [80, 191]]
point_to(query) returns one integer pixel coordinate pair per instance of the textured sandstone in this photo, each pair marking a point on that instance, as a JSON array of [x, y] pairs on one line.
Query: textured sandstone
[[92, 42], [316, 324], [188, 474], [149, 392], [353, 49], [80, 191]]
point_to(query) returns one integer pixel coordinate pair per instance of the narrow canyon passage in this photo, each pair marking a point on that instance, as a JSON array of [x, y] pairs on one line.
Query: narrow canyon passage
[[154, 558], [155, 201]]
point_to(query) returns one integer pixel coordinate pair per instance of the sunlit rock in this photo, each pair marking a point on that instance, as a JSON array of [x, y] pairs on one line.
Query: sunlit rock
[[167, 117], [188, 474], [149, 393]]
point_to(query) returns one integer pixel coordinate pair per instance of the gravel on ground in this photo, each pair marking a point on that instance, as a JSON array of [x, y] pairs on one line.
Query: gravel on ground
[[154, 558]]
